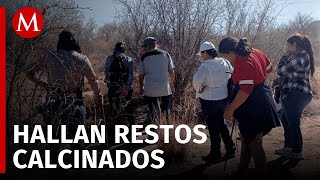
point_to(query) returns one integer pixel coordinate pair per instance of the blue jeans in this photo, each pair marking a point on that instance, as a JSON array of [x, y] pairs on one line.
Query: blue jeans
[[292, 108]]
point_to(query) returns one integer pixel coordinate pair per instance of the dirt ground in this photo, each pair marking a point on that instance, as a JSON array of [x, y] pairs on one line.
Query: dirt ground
[[191, 164]]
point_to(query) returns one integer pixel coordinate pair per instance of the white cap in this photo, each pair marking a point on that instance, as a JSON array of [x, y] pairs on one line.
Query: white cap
[[206, 46]]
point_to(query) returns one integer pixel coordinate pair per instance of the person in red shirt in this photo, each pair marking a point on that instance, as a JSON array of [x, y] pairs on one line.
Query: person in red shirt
[[252, 103]]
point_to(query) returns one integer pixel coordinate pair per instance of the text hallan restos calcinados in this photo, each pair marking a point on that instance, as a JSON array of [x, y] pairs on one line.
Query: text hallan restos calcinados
[[98, 134]]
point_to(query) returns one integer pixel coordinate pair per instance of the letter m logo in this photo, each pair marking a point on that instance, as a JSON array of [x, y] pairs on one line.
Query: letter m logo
[[28, 22], [27, 26]]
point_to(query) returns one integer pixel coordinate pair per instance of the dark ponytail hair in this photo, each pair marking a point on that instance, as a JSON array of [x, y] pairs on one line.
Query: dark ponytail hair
[[240, 47], [303, 42], [243, 48], [212, 52], [308, 48]]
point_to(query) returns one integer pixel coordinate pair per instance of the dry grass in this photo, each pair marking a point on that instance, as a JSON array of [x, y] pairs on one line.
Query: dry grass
[[172, 150]]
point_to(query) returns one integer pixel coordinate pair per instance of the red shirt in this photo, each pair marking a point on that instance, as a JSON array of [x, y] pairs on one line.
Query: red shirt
[[251, 70]]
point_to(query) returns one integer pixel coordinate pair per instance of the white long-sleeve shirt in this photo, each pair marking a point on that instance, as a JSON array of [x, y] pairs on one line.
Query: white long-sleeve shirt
[[211, 79]]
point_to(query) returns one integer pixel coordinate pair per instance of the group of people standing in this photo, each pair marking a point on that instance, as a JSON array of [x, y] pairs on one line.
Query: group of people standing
[[250, 101], [156, 80], [230, 84]]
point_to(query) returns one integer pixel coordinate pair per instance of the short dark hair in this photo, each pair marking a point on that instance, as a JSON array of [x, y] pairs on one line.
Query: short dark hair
[[231, 44], [120, 47]]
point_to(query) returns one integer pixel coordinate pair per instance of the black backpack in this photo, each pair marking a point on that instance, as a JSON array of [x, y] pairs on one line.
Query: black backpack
[[118, 73]]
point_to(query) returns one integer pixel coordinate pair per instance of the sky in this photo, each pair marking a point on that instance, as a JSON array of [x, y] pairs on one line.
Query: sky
[[103, 11], [310, 7]]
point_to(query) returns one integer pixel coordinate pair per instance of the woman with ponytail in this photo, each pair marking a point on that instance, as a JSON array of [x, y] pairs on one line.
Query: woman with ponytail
[[252, 104], [294, 70]]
